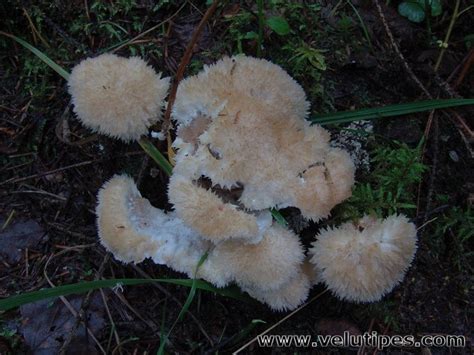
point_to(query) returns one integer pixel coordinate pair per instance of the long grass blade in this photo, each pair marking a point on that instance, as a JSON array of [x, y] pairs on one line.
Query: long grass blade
[[156, 155], [28, 297], [362, 24], [184, 309], [388, 111], [57, 68], [192, 292]]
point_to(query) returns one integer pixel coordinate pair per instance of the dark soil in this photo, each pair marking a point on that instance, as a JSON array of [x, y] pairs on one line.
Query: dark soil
[[51, 169]]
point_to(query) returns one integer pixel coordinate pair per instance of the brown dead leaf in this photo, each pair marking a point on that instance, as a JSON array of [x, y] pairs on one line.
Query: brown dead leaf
[[18, 236], [45, 325]]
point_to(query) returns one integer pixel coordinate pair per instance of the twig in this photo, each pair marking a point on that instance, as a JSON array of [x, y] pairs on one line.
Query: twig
[[463, 66], [149, 30], [80, 318], [67, 303], [168, 294], [86, 7], [426, 223], [62, 33], [362, 348], [182, 65], [423, 150], [112, 323], [9, 219], [444, 45], [34, 30], [399, 53], [13, 181], [40, 192], [467, 135], [281, 321], [434, 167], [465, 69]]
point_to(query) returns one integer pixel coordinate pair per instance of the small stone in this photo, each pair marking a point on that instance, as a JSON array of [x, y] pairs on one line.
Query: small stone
[[454, 156]]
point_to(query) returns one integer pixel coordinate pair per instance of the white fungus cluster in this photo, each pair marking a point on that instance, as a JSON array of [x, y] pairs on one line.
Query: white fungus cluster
[[241, 126], [133, 230], [244, 147]]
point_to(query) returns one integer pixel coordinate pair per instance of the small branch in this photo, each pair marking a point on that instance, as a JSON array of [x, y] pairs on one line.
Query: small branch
[[184, 62], [448, 35], [149, 30], [399, 53]]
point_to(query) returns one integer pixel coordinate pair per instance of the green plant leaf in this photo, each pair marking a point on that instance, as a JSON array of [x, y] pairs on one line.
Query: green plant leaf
[[81, 287], [278, 217], [435, 6], [156, 155], [412, 10], [250, 35], [57, 68], [469, 40], [388, 111], [415, 10], [318, 61], [279, 25]]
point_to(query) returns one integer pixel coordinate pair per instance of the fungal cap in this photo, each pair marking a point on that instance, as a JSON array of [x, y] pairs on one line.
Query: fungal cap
[[115, 224], [363, 262], [266, 265], [116, 96], [287, 297], [211, 217], [132, 229], [239, 79]]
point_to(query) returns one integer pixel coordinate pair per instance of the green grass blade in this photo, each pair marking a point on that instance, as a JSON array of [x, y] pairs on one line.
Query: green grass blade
[[388, 111], [192, 292], [162, 330], [184, 309], [362, 24], [156, 155], [28, 297], [278, 217], [57, 68]]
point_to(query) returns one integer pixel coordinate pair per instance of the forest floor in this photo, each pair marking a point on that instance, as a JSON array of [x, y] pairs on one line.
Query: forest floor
[[51, 168]]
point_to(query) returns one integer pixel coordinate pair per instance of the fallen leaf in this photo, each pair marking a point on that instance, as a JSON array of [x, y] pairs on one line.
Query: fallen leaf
[[18, 236], [47, 324]]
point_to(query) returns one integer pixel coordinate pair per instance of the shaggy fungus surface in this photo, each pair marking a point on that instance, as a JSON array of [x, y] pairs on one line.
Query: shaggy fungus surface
[[241, 124], [133, 230], [267, 264], [116, 96], [363, 262], [288, 296], [244, 147]]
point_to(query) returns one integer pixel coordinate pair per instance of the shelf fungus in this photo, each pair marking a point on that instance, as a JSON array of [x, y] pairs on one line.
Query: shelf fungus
[[244, 146], [116, 96], [362, 262]]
